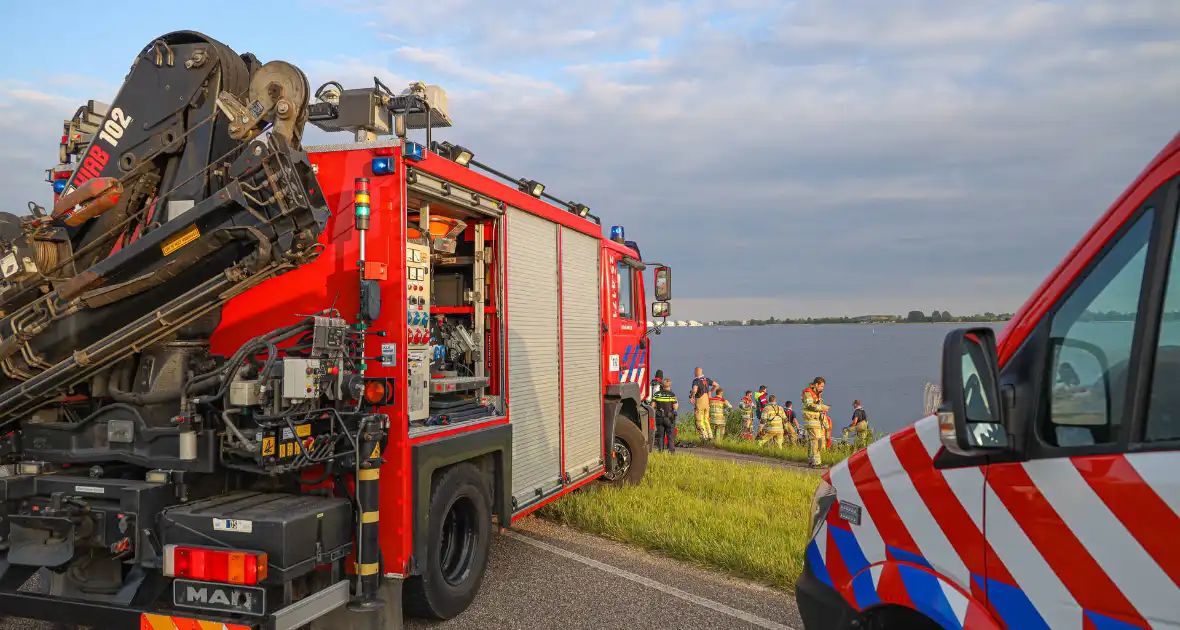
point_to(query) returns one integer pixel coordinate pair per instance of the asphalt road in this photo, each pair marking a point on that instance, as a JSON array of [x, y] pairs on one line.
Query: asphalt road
[[543, 575]]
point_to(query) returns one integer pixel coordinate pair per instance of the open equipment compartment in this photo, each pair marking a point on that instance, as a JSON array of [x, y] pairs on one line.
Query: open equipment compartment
[[454, 369]]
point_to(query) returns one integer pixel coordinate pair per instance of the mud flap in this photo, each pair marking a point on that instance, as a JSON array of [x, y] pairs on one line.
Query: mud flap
[[40, 541], [390, 617]]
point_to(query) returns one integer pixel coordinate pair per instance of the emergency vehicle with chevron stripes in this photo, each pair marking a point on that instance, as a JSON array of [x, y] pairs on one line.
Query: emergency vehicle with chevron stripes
[[252, 384], [1045, 492]]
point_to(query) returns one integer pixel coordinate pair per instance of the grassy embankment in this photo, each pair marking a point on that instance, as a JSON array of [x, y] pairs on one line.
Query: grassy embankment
[[749, 520], [686, 433], [745, 519]]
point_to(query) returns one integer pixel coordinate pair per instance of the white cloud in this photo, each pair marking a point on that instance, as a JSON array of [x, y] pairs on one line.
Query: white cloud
[[807, 157]]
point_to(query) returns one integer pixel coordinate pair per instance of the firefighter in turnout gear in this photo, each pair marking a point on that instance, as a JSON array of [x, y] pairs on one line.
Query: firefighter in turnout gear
[[774, 419], [718, 408], [748, 408], [702, 386], [666, 407], [814, 411]]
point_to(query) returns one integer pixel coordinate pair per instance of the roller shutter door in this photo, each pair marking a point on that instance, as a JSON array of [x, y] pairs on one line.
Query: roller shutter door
[[582, 354], [534, 382]]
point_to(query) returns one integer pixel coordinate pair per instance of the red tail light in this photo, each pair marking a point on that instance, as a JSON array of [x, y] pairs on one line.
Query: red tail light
[[228, 566]]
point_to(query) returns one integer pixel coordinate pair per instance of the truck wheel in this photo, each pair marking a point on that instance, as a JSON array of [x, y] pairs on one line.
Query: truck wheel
[[629, 452], [458, 538]]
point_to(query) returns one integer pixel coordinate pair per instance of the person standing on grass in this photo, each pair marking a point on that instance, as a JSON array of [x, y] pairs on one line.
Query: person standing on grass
[[859, 424], [718, 408], [792, 426], [760, 399], [655, 385], [814, 411], [748, 407], [773, 423], [666, 407], [859, 420], [702, 387]]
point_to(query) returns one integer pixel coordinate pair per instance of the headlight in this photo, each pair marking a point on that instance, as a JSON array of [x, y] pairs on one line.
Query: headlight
[[825, 496]]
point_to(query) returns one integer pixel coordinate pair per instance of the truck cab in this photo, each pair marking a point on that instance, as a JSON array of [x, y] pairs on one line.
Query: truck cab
[[627, 346], [1043, 493]]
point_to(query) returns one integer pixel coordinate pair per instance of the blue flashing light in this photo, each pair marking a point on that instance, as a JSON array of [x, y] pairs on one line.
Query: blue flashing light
[[383, 166], [413, 151], [59, 185], [616, 233]]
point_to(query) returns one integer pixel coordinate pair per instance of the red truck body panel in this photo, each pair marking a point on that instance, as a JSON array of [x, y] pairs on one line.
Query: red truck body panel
[[332, 280]]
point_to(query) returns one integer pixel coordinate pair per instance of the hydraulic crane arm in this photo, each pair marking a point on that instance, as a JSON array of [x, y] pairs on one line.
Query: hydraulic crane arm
[[193, 188]]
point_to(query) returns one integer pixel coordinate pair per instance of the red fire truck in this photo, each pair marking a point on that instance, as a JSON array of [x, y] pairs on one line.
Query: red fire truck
[[455, 348]]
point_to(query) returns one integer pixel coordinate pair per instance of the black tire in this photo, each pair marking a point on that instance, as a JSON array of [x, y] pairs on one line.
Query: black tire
[[630, 453], [459, 537]]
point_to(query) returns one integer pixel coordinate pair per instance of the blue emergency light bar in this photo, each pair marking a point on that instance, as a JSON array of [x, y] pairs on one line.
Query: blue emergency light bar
[[616, 233], [413, 151], [383, 166], [59, 185]]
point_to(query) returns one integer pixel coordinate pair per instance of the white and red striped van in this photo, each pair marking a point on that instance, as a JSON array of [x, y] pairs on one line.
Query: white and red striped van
[[1046, 491]]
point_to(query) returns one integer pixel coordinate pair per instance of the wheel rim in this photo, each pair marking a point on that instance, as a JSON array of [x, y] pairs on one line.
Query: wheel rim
[[622, 454], [456, 553]]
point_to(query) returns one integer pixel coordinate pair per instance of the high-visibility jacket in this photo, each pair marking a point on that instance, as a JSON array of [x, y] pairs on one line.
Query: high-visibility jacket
[[664, 401], [747, 407], [813, 407], [717, 408], [773, 417]]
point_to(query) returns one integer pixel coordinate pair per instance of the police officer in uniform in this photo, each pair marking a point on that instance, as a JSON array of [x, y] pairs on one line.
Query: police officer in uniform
[[666, 407]]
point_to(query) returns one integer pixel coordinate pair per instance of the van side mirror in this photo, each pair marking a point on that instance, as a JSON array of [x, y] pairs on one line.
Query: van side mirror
[[660, 309], [971, 418], [663, 284]]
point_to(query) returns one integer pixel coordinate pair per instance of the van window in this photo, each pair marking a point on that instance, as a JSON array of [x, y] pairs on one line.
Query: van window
[[1091, 337], [1163, 414], [626, 308]]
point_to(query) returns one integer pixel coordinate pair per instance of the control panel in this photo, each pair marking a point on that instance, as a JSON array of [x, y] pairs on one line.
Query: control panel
[[418, 294], [418, 330]]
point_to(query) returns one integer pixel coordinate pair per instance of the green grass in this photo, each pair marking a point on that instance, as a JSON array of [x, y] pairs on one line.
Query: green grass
[[687, 433], [745, 519]]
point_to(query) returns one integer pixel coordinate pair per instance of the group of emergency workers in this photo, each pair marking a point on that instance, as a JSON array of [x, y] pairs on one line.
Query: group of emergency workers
[[764, 420]]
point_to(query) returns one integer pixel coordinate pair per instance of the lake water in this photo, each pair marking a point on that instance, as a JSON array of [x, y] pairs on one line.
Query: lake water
[[886, 367]]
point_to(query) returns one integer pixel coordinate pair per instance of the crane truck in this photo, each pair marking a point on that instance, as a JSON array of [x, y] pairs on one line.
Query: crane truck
[[251, 384]]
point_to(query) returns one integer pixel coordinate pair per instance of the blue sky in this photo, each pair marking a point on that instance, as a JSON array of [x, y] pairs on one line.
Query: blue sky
[[801, 157]]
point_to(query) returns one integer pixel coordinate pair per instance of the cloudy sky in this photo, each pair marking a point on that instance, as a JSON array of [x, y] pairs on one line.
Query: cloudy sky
[[806, 157]]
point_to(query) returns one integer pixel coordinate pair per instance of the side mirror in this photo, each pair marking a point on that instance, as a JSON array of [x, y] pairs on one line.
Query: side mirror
[[971, 419], [663, 284], [660, 309]]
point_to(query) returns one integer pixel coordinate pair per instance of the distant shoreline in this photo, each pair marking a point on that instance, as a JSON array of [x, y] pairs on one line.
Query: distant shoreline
[[995, 321]]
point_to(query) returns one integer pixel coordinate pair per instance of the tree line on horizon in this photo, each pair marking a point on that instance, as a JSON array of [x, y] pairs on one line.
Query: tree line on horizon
[[935, 317], [913, 317]]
